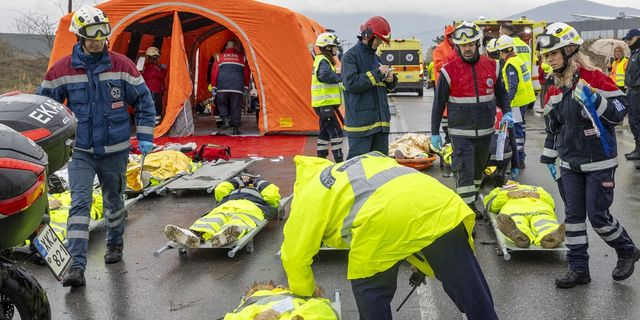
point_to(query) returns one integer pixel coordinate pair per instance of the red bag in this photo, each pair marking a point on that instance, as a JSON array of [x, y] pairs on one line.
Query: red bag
[[212, 152]]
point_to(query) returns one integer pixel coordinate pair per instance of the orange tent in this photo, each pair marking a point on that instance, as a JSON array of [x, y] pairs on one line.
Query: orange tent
[[276, 41]]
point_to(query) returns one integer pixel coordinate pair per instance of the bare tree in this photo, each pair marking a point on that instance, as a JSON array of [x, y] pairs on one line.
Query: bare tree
[[38, 24]]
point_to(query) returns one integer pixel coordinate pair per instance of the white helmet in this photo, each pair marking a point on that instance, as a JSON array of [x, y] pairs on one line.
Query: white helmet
[[466, 32], [491, 46], [556, 36], [505, 43], [327, 39], [152, 52], [90, 23]]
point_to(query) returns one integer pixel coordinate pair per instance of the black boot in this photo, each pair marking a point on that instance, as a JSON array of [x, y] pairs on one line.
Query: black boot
[[236, 131], [638, 165], [625, 266], [475, 210], [74, 278], [114, 253], [572, 279], [635, 154]]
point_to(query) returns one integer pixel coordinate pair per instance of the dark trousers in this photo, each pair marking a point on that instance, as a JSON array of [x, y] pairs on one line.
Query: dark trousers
[[454, 265], [157, 101], [330, 134], [634, 111], [378, 141], [468, 161], [521, 131], [229, 105], [590, 194]]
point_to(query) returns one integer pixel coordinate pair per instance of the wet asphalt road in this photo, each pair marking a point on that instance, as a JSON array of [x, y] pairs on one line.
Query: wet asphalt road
[[205, 284]]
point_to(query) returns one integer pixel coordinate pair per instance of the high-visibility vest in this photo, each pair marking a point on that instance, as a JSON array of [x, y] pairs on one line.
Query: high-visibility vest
[[299, 307], [618, 71], [323, 94], [524, 93]]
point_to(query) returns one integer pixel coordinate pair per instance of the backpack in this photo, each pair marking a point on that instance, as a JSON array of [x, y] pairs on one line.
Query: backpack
[[212, 152]]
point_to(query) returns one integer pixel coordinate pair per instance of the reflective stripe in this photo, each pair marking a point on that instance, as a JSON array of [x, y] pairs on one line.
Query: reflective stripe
[[144, 129], [320, 141], [602, 107], [249, 191], [506, 155], [610, 94], [486, 98], [472, 133], [217, 220], [262, 300], [260, 183], [58, 225], [233, 63], [444, 73], [606, 229], [552, 100], [78, 220], [115, 223], [78, 234], [230, 90], [612, 236], [465, 189], [203, 226], [469, 200], [593, 166], [322, 147], [336, 140], [363, 188], [117, 147], [520, 140], [250, 216], [576, 240], [575, 227], [369, 127], [371, 78], [541, 223], [50, 84], [549, 153], [540, 230], [336, 146], [119, 75], [325, 97]]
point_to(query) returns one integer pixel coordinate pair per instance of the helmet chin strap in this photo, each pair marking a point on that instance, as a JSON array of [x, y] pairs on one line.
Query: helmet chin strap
[[565, 59]]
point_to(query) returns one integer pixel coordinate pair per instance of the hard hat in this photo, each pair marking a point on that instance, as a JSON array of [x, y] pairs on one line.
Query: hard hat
[[466, 32], [230, 44], [327, 39], [505, 43], [491, 46], [90, 23], [556, 36], [376, 27], [152, 52]]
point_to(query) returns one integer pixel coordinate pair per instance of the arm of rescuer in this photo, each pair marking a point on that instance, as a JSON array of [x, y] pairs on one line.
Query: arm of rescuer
[[439, 102], [137, 94], [58, 93], [511, 131], [355, 81], [326, 75], [247, 74], [511, 81], [214, 72]]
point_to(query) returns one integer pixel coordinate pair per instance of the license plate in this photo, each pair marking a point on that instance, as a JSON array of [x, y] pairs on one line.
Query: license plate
[[53, 251]]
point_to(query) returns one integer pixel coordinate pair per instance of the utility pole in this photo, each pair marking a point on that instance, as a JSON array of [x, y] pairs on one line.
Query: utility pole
[[70, 6]]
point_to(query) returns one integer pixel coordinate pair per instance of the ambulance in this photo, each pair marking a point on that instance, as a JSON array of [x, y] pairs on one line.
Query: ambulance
[[406, 59]]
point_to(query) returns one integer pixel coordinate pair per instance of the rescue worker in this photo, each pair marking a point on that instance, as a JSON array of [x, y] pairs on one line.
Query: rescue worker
[[492, 52], [526, 215], [468, 88], [383, 212], [443, 53], [230, 75], [632, 82], [522, 49], [326, 97], [59, 205], [367, 81], [517, 80], [580, 124], [242, 203], [98, 84], [618, 67], [154, 75]]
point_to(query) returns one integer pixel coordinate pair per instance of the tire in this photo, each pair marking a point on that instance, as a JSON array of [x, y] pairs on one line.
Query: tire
[[23, 292], [420, 92]]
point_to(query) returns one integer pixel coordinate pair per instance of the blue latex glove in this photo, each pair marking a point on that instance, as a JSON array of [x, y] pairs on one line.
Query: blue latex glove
[[508, 119], [515, 173], [436, 141], [552, 170], [145, 147]]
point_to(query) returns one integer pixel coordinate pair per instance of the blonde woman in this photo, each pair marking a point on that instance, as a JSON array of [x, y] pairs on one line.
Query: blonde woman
[[582, 107]]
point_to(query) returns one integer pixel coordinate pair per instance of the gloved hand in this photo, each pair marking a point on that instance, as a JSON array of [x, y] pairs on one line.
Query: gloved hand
[[436, 141], [508, 119], [145, 147], [584, 95], [214, 91], [552, 170], [515, 173]]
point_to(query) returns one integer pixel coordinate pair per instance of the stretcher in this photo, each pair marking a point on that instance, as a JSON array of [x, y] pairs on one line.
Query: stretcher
[[246, 242], [336, 305], [207, 177], [151, 189], [505, 245]]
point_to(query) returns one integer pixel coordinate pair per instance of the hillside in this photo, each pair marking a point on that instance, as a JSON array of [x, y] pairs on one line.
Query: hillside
[[19, 73]]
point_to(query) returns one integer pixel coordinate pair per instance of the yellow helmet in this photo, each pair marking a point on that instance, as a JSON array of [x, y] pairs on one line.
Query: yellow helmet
[[90, 23], [491, 46], [556, 36], [327, 39], [505, 43], [466, 32]]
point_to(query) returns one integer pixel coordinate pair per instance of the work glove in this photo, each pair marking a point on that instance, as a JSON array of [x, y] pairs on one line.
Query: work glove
[[552, 170], [436, 141], [515, 173], [584, 96], [145, 147], [508, 119]]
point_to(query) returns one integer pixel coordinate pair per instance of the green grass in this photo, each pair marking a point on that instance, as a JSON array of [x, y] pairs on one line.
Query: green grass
[[18, 72]]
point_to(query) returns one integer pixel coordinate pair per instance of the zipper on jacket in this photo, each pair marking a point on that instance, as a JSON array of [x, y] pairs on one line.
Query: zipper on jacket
[[475, 82]]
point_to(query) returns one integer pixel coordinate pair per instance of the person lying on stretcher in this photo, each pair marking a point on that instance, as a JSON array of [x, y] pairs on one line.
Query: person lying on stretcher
[[243, 203], [59, 205], [526, 215]]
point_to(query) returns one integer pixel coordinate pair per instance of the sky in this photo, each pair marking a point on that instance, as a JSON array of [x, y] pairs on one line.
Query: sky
[[11, 9]]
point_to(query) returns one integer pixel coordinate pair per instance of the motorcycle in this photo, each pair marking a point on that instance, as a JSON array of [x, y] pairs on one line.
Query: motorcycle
[[36, 138]]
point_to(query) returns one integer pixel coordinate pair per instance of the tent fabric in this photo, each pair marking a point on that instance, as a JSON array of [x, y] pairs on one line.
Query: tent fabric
[[276, 41]]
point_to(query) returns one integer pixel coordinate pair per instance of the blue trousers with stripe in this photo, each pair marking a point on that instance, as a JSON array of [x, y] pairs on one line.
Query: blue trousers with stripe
[[521, 133], [111, 174], [589, 195]]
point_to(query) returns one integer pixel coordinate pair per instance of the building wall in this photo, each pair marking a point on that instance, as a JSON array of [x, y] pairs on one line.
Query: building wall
[[600, 29]]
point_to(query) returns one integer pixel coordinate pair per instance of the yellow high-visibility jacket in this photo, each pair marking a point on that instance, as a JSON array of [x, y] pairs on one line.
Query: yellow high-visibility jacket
[[59, 216], [382, 211], [263, 300], [498, 201]]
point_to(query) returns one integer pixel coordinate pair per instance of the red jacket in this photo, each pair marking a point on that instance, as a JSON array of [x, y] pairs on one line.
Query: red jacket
[[154, 75]]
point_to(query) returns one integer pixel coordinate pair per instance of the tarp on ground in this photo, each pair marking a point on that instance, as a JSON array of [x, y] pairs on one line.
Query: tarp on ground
[[276, 41]]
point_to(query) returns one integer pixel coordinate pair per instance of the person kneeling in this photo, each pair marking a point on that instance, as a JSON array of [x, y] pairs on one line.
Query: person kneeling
[[526, 215], [243, 203]]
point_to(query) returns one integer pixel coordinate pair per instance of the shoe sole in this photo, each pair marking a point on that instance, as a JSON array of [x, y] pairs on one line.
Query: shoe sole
[[177, 234], [585, 281], [508, 227], [73, 285], [636, 258], [550, 242]]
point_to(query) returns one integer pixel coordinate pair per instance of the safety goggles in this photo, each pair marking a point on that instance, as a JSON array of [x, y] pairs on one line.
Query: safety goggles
[[546, 41], [464, 33], [95, 31]]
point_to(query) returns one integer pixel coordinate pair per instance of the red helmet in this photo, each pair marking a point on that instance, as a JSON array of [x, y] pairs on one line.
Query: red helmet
[[376, 27]]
